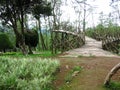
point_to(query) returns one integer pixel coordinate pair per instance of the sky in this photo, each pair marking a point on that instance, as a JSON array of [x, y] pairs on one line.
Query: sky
[[100, 6], [91, 19]]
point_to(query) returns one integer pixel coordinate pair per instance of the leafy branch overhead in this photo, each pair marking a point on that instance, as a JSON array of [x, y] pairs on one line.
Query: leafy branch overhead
[[42, 9]]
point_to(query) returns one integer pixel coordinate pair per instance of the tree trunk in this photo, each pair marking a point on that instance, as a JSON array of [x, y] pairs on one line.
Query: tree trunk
[[30, 50], [20, 39], [84, 20], [51, 33], [111, 73], [4, 50], [41, 37], [21, 43], [22, 36]]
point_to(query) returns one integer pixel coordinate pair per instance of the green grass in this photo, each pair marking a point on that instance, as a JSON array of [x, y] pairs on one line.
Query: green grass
[[27, 73], [113, 86], [70, 75], [36, 54]]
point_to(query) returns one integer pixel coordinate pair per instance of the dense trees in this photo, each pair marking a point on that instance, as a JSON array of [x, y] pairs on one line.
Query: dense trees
[[14, 11]]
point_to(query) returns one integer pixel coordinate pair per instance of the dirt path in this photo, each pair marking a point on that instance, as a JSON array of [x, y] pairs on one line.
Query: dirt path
[[96, 66], [92, 76], [91, 48]]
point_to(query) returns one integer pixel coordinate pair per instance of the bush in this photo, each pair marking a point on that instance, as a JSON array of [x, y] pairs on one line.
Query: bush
[[31, 38], [113, 86], [26, 73], [5, 43]]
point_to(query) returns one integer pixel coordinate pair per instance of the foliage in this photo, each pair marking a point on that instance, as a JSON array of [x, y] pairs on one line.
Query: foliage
[[13, 11], [101, 31], [72, 73], [113, 86], [4, 28], [42, 9], [31, 38], [26, 73], [66, 25], [90, 32], [5, 43]]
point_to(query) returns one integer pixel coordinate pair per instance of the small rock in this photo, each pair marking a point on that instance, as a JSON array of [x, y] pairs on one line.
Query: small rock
[[67, 67]]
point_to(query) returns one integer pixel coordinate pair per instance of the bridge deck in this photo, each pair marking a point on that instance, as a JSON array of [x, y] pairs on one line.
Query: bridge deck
[[91, 48]]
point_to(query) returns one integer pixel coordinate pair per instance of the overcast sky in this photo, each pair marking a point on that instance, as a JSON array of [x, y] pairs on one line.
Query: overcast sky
[[101, 6]]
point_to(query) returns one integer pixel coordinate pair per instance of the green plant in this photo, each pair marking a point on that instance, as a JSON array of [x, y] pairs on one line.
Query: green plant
[[68, 78], [5, 43], [31, 38], [26, 73], [76, 68], [37, 54], [113, 86], [74, 72], [80, 56]]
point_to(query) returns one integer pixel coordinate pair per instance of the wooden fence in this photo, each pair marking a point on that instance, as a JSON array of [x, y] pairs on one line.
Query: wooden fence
[[64, 40], [111, 43]]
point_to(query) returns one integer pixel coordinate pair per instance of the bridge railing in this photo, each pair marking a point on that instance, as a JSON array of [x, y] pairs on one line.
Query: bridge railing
[[64, 40], [111, 43]]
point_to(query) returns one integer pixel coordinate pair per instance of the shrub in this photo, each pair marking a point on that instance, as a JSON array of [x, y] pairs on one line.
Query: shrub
[[5, 43], [31, 38], [26, 73], [113, 86]]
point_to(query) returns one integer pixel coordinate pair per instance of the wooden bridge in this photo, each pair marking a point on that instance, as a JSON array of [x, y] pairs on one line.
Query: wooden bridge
[[65, 40], [111, 43]]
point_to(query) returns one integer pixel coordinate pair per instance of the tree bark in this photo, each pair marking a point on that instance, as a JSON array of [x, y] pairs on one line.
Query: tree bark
[[21, 43], [111, 73]]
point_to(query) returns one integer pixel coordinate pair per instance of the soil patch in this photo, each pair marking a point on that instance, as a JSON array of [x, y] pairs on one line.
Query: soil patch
[[92, 76]]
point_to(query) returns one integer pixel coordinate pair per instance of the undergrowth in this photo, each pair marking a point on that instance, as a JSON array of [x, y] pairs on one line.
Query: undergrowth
[[113, 86], [27, 73], [72, 73]]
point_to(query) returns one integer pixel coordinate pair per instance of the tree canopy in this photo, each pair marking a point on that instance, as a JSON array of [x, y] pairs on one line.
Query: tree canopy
[[14, 11]]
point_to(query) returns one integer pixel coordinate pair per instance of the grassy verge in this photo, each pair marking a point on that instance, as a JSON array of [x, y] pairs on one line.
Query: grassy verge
[[27, 73], [36, 54], [70, 76], [113, 86], [74, 72]]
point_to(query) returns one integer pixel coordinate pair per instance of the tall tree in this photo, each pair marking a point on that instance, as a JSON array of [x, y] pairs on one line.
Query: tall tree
[[13, 11], [41, 10]]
